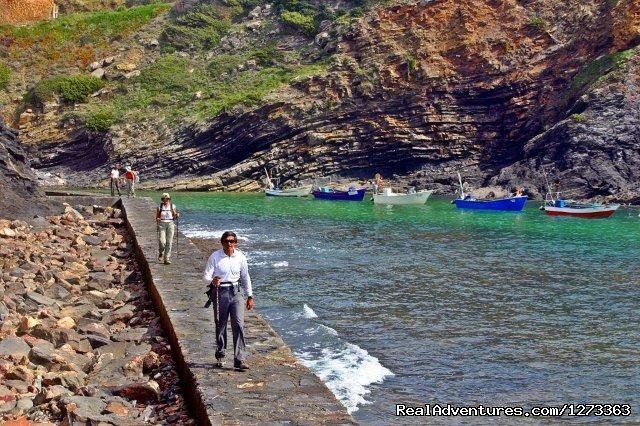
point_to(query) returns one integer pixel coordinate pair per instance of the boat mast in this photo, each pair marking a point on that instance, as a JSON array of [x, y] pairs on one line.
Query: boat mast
[[544, 173], [461, 186], [269, 183]]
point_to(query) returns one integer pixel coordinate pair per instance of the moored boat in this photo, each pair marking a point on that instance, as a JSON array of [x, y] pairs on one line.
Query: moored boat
[[411, 197], [513, 203], [328, 193], [300, 191], [561, 207], [275, 191]]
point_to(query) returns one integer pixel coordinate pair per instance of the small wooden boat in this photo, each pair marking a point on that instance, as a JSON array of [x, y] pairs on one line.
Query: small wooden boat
[[511, 204], [411, 197], [299, 191], [274, 190], [514, 203], [328, 193], [561, 207]]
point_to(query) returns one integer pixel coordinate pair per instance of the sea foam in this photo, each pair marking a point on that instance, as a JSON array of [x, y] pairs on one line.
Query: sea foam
[[308, 312], [347, 370], [195, 231]]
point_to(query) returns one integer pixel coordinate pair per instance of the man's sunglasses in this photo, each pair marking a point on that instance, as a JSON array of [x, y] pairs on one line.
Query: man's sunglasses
[[229, 241]]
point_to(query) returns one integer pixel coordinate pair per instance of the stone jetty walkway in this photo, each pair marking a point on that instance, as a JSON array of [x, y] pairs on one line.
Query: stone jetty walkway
[[276, 390]]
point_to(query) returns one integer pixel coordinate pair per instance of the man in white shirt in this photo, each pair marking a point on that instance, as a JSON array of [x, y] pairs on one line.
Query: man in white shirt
[[225, 269], [115, 180]]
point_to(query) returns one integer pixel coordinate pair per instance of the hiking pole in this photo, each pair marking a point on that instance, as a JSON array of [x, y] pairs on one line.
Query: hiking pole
[[217, 307], [158, 234], [177, 237]]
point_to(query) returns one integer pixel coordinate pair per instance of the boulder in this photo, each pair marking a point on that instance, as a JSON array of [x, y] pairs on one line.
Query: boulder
[[98, 73], [40, 299], [123, 314], [142, 392], [86, 409], [66, 322], [7, 399], [27, 323], [14, 347]]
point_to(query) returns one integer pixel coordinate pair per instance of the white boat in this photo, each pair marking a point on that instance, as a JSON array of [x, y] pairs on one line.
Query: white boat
[[275, 191], [299, 191], [411, 197]]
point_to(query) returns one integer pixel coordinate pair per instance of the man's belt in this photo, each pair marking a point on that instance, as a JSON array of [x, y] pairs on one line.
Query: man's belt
[[209, 292]]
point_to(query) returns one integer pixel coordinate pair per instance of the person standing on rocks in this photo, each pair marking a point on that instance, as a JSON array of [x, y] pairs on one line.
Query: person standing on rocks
[[130, 178], [378, 183], [115, 180], [225, 269], [166, 217]]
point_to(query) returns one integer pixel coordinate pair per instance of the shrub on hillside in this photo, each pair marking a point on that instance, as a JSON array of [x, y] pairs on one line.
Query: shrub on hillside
[[300, 21], [168, 74], [268, 54], [73, 88], [100, 120], [5, 73], [200, 28]]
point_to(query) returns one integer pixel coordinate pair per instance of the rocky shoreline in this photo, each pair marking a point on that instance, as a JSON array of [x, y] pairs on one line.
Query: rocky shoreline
[[80, 341]]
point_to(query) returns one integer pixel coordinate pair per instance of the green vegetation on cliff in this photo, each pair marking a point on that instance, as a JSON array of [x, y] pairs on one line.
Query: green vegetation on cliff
[[74, 88], [5, 73], [175, 89], [191, 77], [75, 39], [594, 71], [599, 67], [300, 21], [199, 28]]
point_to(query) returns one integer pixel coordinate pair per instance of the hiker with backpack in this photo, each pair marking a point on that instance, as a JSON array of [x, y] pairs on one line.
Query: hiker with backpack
[[130, 179], [166, 217]]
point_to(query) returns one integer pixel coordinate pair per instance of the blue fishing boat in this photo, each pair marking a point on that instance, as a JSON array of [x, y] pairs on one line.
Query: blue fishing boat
[[328, 193], [514, 203]]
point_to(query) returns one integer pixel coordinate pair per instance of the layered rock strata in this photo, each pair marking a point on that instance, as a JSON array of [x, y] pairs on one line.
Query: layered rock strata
[[419, 91], [21, 196]]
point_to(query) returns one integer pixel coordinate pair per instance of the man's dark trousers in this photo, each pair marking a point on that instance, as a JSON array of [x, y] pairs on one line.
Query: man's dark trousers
[[114, 184], [231, 303]]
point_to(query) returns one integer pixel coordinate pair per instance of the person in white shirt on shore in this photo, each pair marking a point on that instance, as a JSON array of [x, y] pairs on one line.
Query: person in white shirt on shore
[[115, 180], [225, 269]]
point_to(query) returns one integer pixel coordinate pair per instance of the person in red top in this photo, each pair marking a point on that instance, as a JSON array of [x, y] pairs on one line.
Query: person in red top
[[130, 178]]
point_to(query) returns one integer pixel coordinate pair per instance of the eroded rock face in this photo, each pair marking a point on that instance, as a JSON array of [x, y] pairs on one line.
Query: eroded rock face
[[595, 152], [22, 197], [426, 90], [422, 90]]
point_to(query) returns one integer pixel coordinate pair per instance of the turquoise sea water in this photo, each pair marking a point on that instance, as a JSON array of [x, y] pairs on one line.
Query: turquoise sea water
[[431, 305]]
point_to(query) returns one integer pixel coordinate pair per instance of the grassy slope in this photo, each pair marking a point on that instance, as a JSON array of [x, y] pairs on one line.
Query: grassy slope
[[173, 86]]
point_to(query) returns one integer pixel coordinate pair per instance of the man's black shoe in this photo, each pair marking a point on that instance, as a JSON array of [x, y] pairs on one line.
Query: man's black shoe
[[240, 365], [218, 363]]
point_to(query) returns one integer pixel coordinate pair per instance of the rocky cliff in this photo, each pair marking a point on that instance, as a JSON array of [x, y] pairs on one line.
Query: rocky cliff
[[21, 195], [501, 90]]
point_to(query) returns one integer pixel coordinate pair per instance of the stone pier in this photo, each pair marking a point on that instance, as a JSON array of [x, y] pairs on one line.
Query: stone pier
[[276, 390]]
